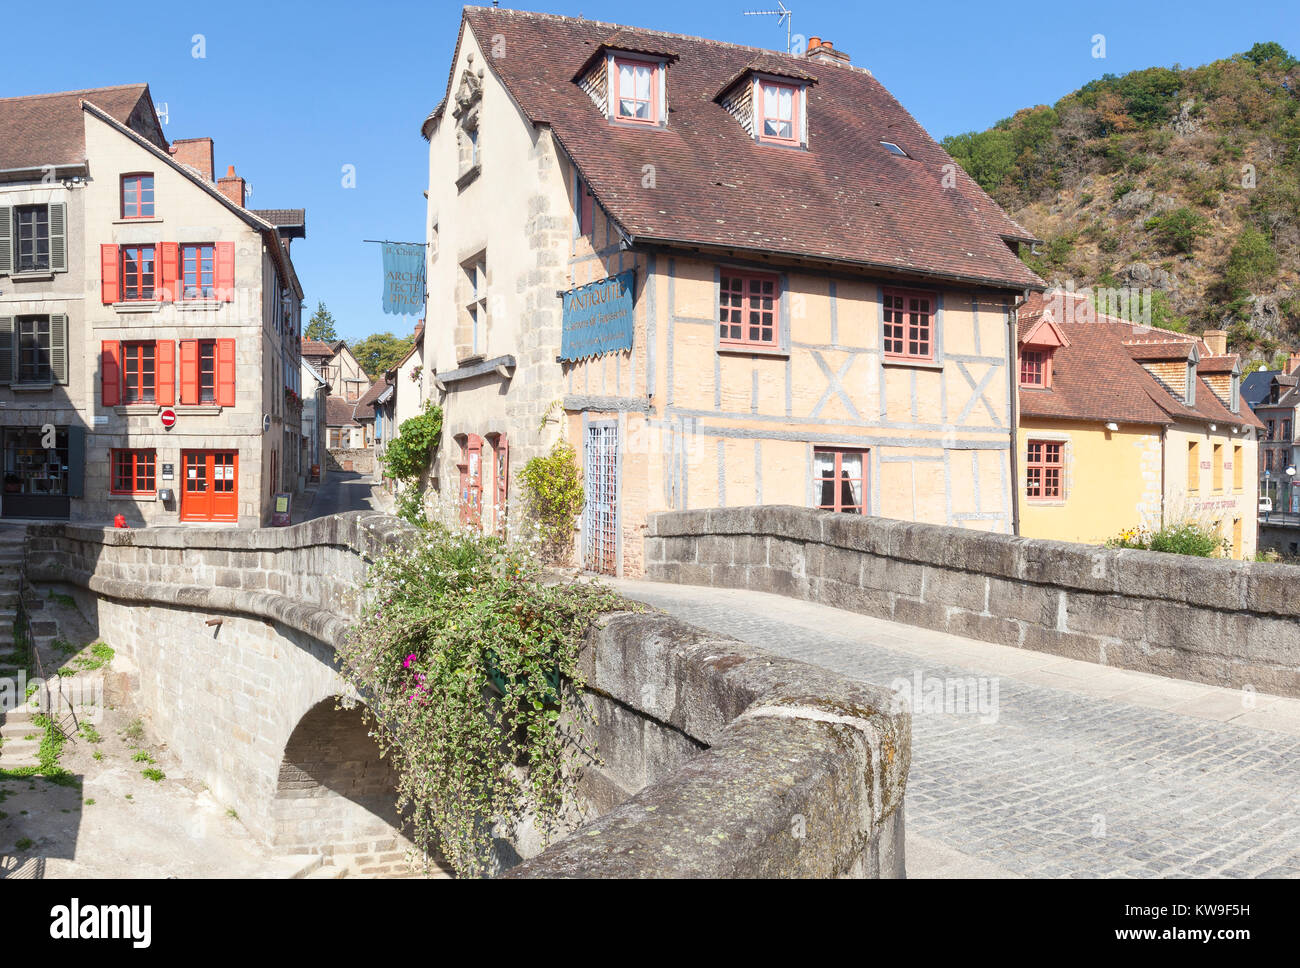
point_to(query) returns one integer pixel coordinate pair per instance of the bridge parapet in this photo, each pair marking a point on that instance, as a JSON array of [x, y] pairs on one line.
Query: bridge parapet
[[1227, 623], [718, 759]]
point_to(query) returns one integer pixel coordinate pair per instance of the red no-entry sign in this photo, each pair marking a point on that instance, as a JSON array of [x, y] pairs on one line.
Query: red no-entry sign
[[168, 418]]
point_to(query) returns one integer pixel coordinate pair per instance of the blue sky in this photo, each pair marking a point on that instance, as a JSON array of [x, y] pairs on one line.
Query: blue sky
[[293, 91]]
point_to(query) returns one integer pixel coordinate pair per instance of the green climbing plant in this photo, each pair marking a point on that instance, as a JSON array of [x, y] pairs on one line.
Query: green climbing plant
[[467, 660], [408, 454], [553, 484]]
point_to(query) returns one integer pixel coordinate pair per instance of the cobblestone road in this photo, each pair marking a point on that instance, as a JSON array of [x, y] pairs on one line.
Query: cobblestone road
[[1064, 783]]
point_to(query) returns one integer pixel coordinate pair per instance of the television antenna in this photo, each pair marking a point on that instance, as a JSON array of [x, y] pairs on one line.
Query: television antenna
[[784, 15]]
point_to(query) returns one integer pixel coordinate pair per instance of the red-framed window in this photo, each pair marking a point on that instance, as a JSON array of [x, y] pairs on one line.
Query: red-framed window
[[137, 273], [840, 480], [636, 90], [909, 324], [133, 471], [208, 372], [1035, 367], [198, 271], [1045, 470], [749, 311], [139, 372], [776, 112], [137, 196], [1268, 460]]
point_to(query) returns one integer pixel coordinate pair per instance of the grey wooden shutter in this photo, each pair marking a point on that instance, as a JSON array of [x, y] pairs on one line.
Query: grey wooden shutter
[[59, 348], [58, 236], [76, 461], [8, 355], [6, 240]]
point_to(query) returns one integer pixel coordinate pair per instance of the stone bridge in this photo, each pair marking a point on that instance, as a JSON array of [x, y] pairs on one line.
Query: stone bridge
[[719, 759]]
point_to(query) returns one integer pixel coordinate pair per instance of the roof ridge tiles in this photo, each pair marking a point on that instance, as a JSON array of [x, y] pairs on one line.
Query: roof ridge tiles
[[75, 93]]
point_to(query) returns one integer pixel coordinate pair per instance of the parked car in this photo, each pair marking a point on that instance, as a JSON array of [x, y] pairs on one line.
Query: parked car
[[1265, 505]]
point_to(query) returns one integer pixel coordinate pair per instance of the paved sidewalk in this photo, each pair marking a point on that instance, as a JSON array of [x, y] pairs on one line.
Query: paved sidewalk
[[1080, 770]]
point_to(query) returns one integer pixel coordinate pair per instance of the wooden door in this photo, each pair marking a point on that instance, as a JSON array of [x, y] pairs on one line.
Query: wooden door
[[210, 485]]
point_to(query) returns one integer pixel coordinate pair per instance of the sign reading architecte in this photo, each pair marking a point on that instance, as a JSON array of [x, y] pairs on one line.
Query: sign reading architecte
[[598, 318]]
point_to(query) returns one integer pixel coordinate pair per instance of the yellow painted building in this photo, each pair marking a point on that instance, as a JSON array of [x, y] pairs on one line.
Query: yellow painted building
[[1124, 427]]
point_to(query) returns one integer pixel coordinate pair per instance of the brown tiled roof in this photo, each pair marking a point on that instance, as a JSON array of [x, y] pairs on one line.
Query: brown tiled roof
[[1159, 351], [767, 64], [1095, 377], [1218, 364], [846, 199], [365, 407], [338, 412], [314, 347], [282, 216], [48, 129]]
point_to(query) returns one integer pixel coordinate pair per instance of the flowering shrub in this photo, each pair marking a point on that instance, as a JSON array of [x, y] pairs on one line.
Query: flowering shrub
[[1182, 538], [555, 499], [468, 661]]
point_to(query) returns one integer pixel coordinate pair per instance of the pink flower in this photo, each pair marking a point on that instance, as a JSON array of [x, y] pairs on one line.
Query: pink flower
[[408, 661]]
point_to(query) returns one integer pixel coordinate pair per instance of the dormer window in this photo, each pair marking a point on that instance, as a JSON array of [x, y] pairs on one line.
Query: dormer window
[[770, 100], [1038, 353], [778, 112], [893, 149], [637, 90], [1036, 367]]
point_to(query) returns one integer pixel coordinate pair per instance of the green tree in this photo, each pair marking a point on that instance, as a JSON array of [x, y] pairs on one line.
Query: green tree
[[380, 352], [321, 325], [1261, 54], [1252, 262], [1178, 230]]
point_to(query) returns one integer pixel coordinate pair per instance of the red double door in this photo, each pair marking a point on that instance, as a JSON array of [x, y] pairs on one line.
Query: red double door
[[210, 485]]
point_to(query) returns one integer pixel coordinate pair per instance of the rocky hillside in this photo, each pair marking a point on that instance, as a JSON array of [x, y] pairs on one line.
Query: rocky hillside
[[1184, 180]]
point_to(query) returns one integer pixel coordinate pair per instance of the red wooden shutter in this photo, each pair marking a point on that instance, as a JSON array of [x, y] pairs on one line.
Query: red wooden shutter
[[189, 371], [225, 372], [168, 264], [108, 287], [224, 270], [503, 483], [110, 373], [165, 374]]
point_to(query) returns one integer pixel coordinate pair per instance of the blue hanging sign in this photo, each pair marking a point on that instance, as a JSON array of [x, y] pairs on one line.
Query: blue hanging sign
[[598, 318], [403, 279]]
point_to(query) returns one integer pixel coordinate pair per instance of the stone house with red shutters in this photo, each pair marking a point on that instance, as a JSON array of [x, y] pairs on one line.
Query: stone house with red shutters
[[149, 364], [727, 276]]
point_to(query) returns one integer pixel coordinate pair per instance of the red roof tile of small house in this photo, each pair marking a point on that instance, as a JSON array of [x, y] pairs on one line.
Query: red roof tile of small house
[[1096, 378]]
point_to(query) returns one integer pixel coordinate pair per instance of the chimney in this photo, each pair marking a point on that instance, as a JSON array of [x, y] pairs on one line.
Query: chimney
[[232, 186], [195, 153], [1217, 341], [824, 52], [1292, 363]]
